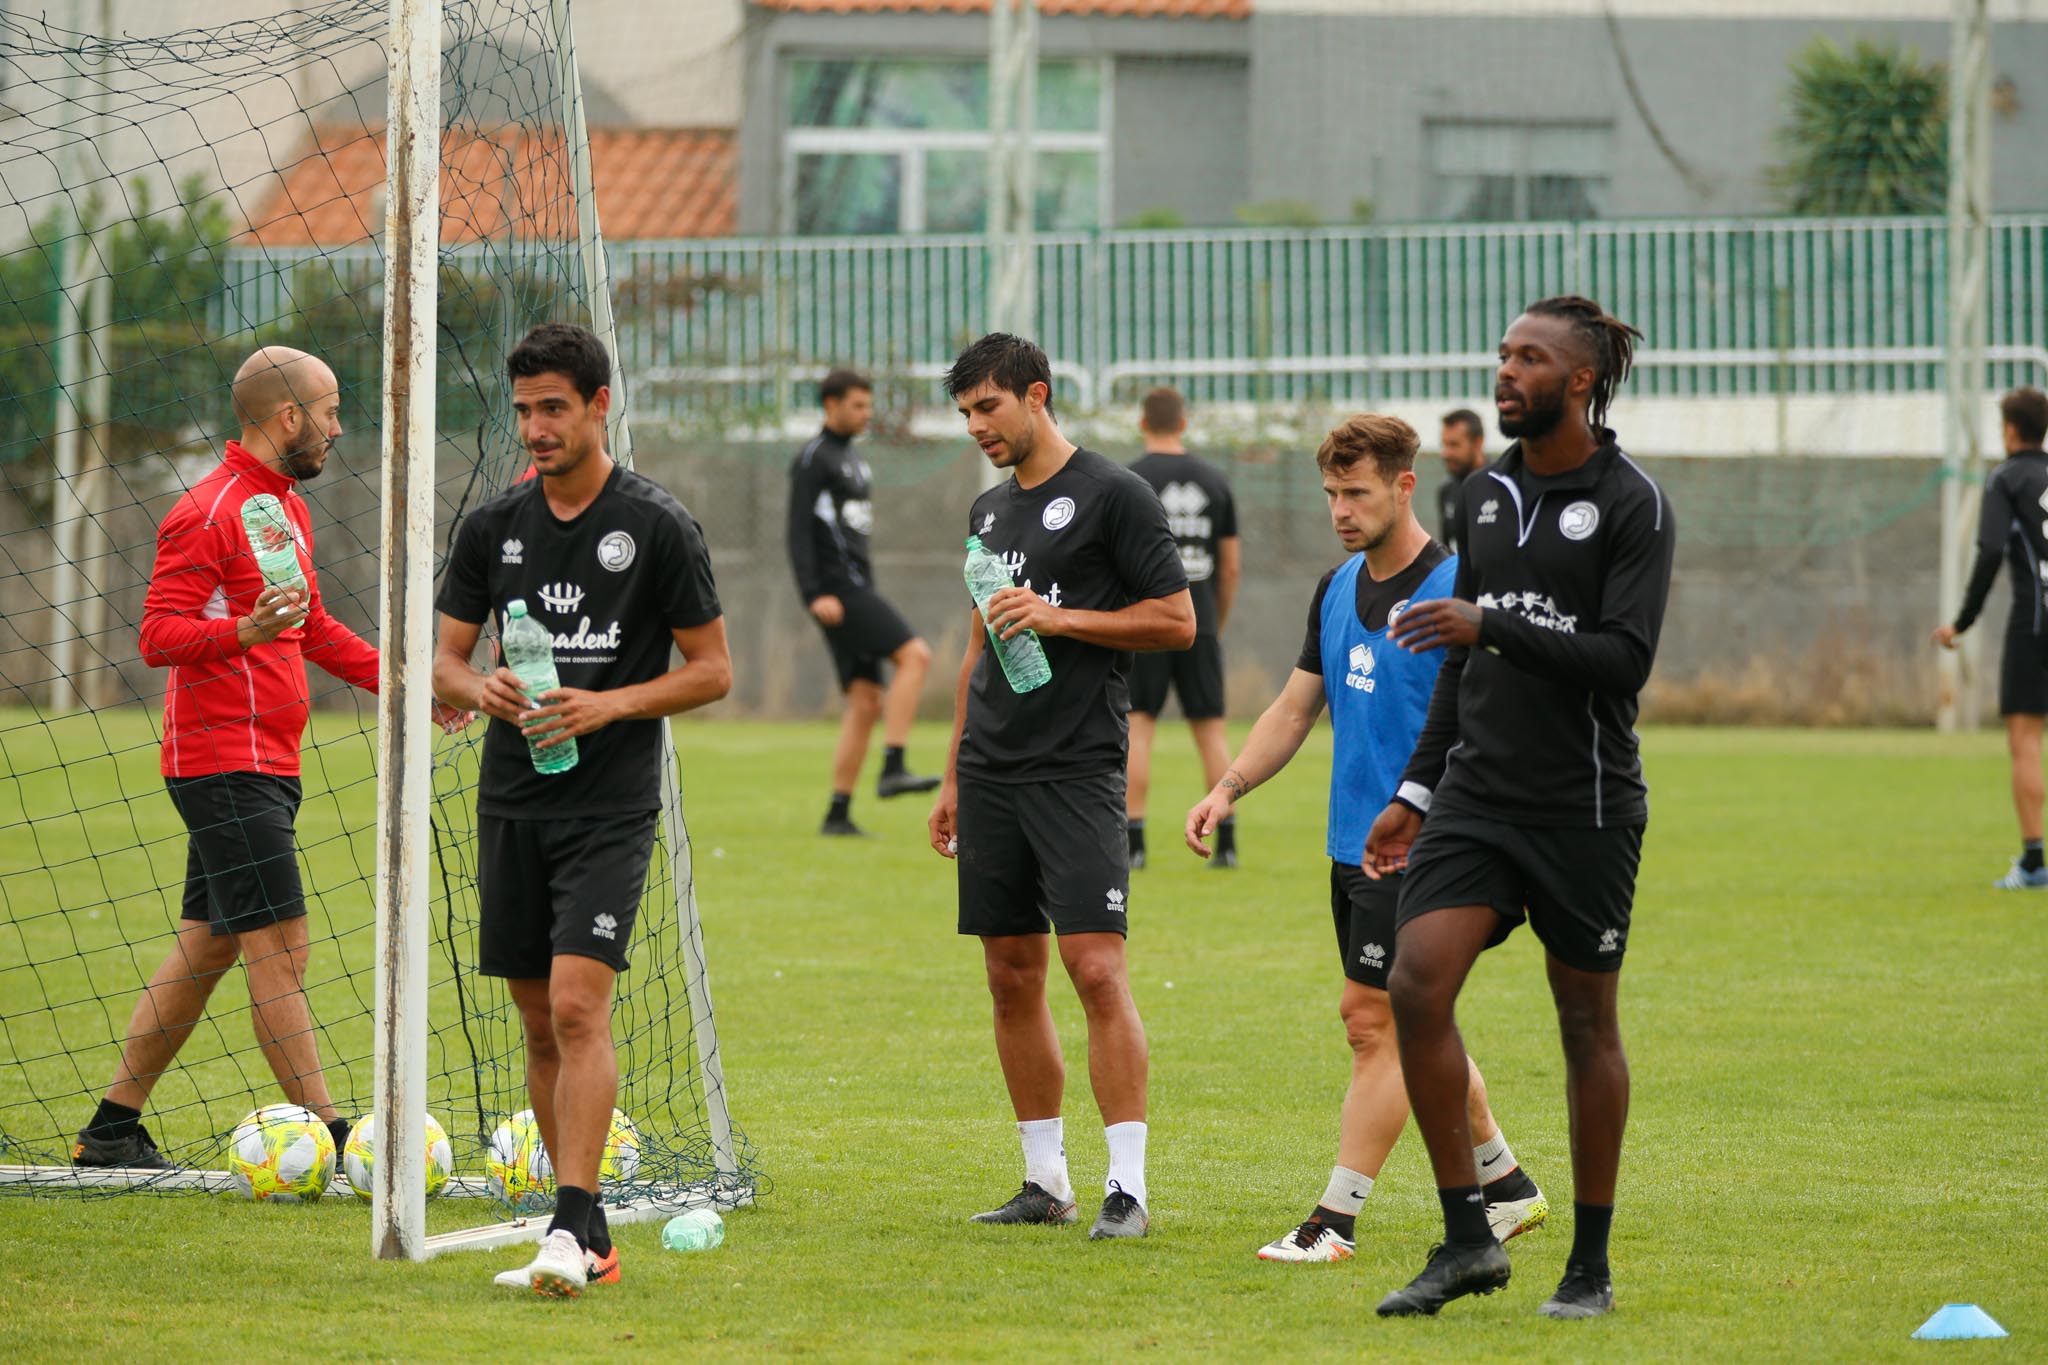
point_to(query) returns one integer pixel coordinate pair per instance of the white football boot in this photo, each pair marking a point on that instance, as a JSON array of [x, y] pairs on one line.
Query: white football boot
[[556, 1271], [1312, 1241], [1513, 1217]]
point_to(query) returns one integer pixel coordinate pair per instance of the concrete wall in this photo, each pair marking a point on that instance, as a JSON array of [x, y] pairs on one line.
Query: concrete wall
[[1372, 83], [1181, 137]]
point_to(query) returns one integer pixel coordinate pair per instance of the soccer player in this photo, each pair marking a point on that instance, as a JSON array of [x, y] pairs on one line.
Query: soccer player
[[1529, 771], [235, 712], [831, 515], [2015, 503], [617, 569], [1033, 801], [1203, 519], [1463, 441], [1377, 696]]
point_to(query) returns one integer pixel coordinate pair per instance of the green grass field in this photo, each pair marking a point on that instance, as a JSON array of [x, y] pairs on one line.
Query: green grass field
[[1836, 1031]]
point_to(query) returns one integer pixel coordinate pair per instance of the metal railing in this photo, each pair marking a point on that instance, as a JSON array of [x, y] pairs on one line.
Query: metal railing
[[1342, 315]]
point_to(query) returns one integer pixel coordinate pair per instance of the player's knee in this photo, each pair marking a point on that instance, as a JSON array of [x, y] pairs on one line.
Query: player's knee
[[865, 701], [1369, 1026], [577, 1018], [915, 653], [1412, 996], [1099, 980], [1587, 1026], [1014, 985]]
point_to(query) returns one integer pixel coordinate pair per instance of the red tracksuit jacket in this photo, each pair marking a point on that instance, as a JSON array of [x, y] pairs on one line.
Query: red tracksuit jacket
[[227, 709]]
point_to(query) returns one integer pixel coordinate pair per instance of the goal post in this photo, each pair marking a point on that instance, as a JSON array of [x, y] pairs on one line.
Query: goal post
[[412, 221]]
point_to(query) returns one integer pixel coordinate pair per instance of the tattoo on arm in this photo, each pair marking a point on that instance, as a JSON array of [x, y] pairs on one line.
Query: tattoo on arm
[[1234, 783]]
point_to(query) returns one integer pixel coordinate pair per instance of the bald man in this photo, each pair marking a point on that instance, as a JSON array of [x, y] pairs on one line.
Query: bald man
[[236, 637]]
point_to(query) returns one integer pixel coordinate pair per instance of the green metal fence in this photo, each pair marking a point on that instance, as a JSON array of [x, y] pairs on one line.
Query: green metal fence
[[1343, 315]]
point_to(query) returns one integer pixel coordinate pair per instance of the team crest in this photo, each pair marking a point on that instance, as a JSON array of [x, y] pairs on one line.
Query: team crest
[[616, 551], [1578, 521], [1058, 513]]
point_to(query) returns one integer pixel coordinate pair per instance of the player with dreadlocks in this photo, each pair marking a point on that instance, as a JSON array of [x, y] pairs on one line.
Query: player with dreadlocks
[[1528, 772]]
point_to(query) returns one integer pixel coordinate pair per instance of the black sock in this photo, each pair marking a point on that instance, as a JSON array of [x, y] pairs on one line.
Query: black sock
[[1345, 1225], [113, 1120], [340, 1129], [1136, 830], [1226, 834], [1465, 1216], [1590, 1224], [892, 760], [1516, 1184], [2030, 856], [600, 1239], [842, 805], [572, 1211]]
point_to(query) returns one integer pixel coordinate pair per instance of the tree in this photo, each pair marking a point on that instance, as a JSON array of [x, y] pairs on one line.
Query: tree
[[1866, 132]]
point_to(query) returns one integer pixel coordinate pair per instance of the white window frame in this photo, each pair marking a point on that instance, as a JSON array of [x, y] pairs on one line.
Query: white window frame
[[911, 145]]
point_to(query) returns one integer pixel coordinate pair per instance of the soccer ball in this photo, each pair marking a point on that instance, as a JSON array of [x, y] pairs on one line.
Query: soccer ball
[[621, 1159], [517, 1169], [282, 1152], [359, 1156]]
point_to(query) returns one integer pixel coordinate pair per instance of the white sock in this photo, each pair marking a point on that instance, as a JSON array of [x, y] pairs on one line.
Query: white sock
[[1045, 1156], [1346, 1191], [1126, 1160], [1493, 1158]]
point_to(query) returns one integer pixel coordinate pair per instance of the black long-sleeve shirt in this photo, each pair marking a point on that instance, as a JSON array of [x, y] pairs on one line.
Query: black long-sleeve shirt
[[830, 517], [1536, 725], [2014, 522]]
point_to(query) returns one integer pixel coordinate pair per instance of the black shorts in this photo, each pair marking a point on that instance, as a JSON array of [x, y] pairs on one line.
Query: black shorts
[[1576, 887], [866, 636], [1195, 675], [1039, 856], [1364, 912], [241, 856], [559, 888], [2023, 674]]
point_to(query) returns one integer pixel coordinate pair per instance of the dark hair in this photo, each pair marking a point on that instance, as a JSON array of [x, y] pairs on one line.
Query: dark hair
[[1388, 442], [1009, 362], [841, 382], [562, 348], [1467, 419], [1610, 343], [1164, 410], [2025, 410]]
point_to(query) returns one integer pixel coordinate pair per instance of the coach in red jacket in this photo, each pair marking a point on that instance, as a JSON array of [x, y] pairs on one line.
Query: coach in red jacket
[[234, 711]]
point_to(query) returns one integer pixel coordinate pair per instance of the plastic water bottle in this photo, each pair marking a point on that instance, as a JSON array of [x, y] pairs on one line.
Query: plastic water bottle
[[697, 1230], [1022, 656], [530, 654], [270, 536]]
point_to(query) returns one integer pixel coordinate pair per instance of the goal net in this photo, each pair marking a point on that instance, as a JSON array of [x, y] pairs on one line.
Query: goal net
[[167, 205]]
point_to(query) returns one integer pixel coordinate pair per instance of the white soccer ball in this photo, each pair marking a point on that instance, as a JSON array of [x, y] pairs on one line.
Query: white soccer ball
[[281, 1153], [359, 1156], [517, 1169]]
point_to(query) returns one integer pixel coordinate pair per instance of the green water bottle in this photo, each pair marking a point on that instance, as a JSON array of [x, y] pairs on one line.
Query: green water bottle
[[697, 1230], [1022, 656], [530, 654], [270, 537]]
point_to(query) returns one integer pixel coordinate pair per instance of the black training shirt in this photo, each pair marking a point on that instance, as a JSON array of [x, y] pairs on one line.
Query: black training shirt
[[1447, 495], [831, 516], [1201, 514], [1536, 726], [611, 584], [1376, 602], [2015, 521], [1091, 538]]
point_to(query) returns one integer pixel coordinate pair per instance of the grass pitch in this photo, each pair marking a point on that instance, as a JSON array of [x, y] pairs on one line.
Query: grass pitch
[[1836, 1030]]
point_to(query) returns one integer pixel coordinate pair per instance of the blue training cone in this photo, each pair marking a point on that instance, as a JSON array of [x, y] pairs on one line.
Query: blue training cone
[[1958, 1322]]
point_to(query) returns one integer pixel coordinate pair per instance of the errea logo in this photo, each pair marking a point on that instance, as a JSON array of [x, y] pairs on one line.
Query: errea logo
[[1488, 511], [1115, 901], [1610, 940], [513, 552], [605, 927], [1360, 677], [1372, 955]]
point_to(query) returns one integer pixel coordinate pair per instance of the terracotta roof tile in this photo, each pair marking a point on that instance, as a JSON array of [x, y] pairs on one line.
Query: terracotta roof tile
[[650, 182], [1136, 9]]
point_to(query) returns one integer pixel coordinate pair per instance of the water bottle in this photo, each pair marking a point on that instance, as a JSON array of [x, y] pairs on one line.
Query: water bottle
[[270, 536], [697, 1230], [530, 654], [1022, 656]]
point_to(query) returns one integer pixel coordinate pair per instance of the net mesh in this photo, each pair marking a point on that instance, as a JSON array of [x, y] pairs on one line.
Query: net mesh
[[172, 203]]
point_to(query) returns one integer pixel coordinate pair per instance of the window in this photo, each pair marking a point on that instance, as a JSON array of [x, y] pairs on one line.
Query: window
[[881, 146], [1513, 172]]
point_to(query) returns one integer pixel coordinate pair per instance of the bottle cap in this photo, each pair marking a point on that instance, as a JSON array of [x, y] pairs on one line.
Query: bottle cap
[[516, 607]]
